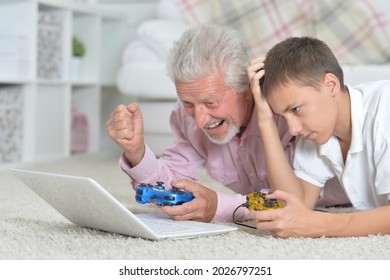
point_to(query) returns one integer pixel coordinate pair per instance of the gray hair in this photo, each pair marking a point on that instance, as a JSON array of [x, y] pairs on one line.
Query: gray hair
[[209, 49]]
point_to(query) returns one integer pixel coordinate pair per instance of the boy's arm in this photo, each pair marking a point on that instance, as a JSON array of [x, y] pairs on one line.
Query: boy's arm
[[295, 220], [280, 173], [375, 221]]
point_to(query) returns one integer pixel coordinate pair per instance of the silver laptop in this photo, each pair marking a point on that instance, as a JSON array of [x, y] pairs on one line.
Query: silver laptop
[[86, 203]]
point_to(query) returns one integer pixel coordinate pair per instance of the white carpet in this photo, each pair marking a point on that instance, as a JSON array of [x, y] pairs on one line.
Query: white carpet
[[31, 229]]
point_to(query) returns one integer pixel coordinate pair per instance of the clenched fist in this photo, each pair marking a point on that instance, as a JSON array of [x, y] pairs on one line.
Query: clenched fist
[[125, 127]]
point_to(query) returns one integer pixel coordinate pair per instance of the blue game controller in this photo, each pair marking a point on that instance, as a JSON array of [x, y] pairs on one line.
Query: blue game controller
[[147, 193]]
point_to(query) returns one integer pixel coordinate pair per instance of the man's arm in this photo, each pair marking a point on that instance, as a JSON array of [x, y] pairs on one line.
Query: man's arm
[[208, 205]]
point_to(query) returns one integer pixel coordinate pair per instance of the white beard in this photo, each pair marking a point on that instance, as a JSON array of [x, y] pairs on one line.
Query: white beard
[[232, 131]]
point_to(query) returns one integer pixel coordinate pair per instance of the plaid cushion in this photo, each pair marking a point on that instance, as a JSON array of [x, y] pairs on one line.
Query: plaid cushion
[[262, 23], [354, 29]]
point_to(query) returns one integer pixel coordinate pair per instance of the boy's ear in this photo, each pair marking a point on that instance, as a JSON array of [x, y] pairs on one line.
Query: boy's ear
[[331, 83]]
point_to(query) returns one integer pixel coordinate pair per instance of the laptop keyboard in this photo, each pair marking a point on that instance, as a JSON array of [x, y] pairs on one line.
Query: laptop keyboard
[[162, 228]]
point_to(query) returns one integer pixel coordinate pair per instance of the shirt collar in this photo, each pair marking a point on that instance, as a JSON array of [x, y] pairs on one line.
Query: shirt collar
[[356, 98]]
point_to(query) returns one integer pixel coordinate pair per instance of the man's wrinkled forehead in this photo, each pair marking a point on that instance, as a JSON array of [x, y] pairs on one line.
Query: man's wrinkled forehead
[[206, 88]]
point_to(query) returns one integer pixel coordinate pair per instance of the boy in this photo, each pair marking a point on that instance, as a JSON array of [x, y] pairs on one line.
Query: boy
[[343, 131]]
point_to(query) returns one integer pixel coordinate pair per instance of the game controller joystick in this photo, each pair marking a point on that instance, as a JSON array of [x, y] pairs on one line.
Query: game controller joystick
[[257, 201], [159, 195]]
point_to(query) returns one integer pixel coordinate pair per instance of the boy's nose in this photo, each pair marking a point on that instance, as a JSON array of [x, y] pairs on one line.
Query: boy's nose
[[294, 127]]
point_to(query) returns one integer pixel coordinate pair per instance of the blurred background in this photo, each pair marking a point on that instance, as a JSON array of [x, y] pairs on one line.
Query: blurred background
[[65, 65]]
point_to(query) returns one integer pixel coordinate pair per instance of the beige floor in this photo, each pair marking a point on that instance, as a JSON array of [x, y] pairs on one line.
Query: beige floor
[[31, 229]]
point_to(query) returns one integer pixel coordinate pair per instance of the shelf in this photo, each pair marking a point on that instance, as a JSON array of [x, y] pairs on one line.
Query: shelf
[[112, 44], [36, 59], [17, 41], [87, 100], [86, 27], [52, 122]]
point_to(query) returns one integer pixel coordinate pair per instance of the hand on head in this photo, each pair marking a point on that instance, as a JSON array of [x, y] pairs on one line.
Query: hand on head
[[255, 73]]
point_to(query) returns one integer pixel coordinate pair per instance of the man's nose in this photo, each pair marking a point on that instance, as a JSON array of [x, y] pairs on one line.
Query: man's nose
[[200, 116]]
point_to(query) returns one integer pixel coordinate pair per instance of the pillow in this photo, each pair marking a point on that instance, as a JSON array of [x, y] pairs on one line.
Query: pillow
[[160, 34], [167, 9], [137, 50], [261, 24], [356, 31]]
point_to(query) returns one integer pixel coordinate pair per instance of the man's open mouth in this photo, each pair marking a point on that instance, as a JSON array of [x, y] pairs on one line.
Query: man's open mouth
[[214, 125]]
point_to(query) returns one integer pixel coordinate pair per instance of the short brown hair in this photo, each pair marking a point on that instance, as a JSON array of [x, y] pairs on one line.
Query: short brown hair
[[303, 60]]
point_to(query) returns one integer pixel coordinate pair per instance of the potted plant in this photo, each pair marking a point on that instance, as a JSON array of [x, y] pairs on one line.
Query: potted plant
[[78, 48]]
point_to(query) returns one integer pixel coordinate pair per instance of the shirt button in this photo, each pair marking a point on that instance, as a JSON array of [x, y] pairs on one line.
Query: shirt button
[[221, 180]]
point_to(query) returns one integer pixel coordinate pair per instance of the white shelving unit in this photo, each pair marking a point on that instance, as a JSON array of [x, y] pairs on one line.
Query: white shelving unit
[[36, 59]]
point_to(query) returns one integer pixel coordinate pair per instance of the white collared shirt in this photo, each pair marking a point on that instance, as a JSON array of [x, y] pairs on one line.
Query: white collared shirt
[[365, 175]]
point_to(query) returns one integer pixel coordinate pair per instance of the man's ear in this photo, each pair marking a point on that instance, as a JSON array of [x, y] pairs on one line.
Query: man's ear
[[332, 84]]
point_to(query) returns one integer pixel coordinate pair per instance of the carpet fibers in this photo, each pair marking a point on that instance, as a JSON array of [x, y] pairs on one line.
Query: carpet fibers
[[30, 229]]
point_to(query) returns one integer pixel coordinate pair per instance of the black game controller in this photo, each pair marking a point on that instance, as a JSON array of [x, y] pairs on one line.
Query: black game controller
[[159, 195]]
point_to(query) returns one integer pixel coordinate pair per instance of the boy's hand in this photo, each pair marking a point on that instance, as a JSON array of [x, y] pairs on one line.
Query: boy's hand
[[125, 127], [255, 72], [202, 208], [293, 220]]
